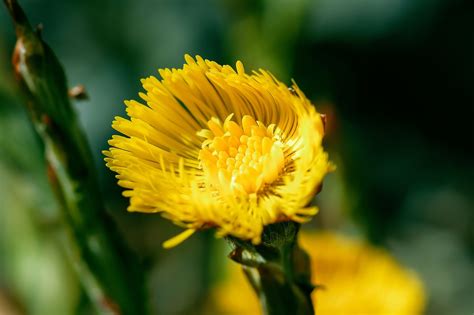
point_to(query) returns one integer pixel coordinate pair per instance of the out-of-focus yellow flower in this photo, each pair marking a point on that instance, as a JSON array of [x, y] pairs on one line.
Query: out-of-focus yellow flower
[[216, 147], [358, 280]]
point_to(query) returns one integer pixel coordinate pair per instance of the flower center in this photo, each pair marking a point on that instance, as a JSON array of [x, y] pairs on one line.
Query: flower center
[[240, 158]]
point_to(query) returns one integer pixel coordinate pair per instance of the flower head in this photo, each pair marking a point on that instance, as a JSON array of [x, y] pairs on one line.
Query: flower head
[[216, 147], [356, 278]]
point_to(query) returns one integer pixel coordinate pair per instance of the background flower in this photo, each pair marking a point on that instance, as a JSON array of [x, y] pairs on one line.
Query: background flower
[[356, 278]]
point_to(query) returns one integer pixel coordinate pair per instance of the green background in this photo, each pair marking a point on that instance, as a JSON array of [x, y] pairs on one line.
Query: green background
[[395, 78]]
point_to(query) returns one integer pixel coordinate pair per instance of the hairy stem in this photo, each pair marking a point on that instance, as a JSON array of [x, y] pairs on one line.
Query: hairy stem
[[278, 270]]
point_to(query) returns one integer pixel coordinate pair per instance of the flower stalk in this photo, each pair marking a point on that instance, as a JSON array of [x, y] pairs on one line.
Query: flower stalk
[[113, 281], [278, 270]]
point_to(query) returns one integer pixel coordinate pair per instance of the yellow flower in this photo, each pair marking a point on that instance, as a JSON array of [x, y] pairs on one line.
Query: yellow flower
[[216, 147], [358, 279]]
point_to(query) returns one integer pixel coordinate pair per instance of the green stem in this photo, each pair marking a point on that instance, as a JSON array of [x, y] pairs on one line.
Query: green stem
[[278, 270], [112, 277]]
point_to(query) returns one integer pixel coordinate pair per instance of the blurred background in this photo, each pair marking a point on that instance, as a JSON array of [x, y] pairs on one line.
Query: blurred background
[[395, 78]]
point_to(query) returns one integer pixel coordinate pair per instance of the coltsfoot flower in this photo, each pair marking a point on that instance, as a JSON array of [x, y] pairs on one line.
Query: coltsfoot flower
[[216, 147]]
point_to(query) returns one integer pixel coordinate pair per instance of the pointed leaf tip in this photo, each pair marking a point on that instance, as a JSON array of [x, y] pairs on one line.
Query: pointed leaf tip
[[18, 15]]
